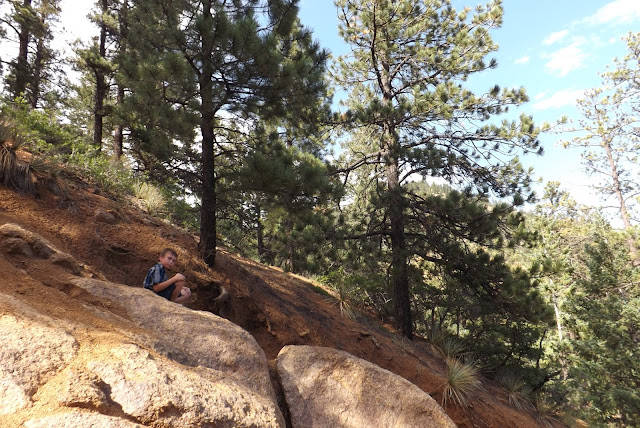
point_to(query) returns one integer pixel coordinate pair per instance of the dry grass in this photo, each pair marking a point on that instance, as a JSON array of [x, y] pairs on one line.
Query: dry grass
[[150, 197]]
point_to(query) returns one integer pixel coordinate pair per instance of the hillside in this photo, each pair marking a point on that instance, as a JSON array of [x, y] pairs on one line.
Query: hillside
[[119, 243]]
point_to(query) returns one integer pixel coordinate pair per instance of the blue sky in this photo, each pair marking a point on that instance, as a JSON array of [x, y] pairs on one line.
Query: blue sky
[[555, 49]]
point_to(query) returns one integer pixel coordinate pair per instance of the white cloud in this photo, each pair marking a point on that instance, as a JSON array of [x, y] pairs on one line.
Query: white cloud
[[618, 11], [567, 59], [541, 95], [523, 60], [565, 97], [555, 37]]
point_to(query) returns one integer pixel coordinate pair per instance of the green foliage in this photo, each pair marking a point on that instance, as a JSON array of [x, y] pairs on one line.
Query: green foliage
[[360, 288], [463, 380], [604, 309]]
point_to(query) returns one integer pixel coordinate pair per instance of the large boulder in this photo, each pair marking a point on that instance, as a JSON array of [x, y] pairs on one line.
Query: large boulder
[[159, 392], [77, 419], [193, 338], [114, 380], [30, 354], [329, 388]]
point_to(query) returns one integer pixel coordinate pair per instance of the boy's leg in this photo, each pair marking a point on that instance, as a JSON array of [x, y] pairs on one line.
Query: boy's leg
[[178, 289]]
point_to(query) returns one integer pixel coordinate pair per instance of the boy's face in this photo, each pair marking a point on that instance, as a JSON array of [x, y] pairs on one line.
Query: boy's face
[[168, 260]]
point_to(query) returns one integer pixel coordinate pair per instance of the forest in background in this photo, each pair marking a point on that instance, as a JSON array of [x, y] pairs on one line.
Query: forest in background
[[413, 203]]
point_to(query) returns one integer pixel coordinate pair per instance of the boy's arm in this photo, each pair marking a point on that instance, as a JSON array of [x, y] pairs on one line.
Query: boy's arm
[[162, 285]]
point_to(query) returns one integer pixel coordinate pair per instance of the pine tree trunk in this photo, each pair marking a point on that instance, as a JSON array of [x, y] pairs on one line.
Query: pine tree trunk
[[260, 233], [399, 268], [38, 63], [101, 86], [207, 244], [624, 213], [118, 134], [22, 64]]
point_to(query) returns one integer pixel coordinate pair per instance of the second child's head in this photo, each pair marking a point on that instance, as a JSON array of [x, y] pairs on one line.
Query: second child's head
[[168, 258]]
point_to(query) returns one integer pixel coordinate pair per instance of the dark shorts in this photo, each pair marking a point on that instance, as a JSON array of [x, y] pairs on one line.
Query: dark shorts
[[166, 293]]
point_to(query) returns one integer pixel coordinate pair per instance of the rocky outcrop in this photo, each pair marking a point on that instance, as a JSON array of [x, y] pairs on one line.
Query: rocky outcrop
[[16, 240], [193, 338], [329, 388], [129, 358]]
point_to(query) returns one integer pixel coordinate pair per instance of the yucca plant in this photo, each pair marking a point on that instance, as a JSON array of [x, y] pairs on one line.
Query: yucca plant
[[343, 296], [13, 172], [449, 347], [545, 413], [462, 381], [516, 389]]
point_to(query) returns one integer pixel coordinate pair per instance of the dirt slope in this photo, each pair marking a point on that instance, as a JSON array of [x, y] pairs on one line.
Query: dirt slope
[[121, 243]]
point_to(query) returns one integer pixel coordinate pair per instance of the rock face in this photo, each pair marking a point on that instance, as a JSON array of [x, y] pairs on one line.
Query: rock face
[[16, 240], [30, 355], [77, 419], [192, 338], [328, 388]]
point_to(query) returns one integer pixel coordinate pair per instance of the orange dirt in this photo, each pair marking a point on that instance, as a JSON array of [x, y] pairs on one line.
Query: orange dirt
[[277, 308]]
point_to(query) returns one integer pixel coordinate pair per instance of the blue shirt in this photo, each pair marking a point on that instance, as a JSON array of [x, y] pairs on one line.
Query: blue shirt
[[156, 275]]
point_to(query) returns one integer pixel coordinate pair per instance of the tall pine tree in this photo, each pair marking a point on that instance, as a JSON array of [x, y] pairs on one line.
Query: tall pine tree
[[232, 55], [414, 117]]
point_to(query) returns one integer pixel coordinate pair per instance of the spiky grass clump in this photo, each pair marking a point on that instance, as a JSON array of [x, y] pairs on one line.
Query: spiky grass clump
[[517, 391], [450, 347], [342, 298], [545, 413], [13, 172], [462, 381]]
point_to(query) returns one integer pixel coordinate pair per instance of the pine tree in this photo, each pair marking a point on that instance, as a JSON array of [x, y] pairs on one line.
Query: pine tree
[[31, 71], [610, 139], [232, 55], [604, 308], [415, 118]]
